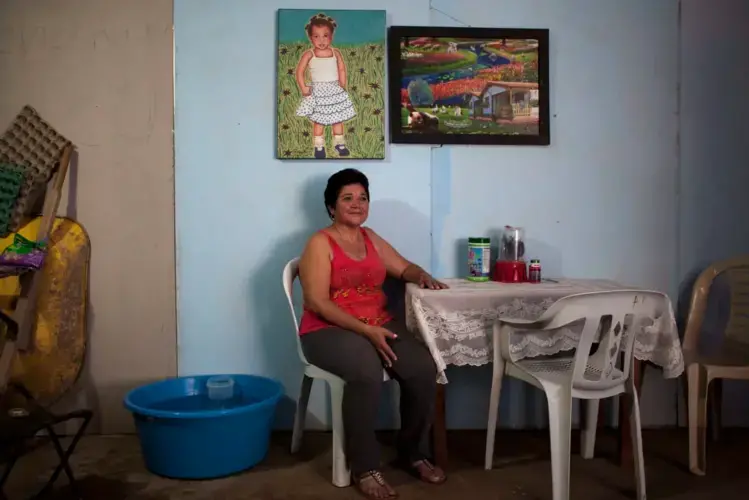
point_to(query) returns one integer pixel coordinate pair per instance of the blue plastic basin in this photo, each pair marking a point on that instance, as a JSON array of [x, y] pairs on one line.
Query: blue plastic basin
[[185, 435]]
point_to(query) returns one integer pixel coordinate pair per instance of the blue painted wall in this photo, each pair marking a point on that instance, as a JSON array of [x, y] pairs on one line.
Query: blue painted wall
[[601, 201], [714, 166], [241, 215]]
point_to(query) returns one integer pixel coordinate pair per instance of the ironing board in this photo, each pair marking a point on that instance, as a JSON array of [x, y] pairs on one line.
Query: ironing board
[[44, 155], [54, 362]]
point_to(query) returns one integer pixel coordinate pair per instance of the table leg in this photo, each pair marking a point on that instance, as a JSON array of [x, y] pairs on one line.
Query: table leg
[[626, 458], [439, 429]]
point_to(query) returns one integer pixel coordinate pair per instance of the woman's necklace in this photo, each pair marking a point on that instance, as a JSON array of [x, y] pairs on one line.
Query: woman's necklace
[[356, 240], [351, 244]]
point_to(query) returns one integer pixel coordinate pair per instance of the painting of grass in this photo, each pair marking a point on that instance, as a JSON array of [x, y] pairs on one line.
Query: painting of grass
[[365, 84]]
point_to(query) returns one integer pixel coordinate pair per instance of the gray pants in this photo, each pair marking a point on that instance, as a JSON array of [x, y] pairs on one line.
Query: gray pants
[[353, 358]]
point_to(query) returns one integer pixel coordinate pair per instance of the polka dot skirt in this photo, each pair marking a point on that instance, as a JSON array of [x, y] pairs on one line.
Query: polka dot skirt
[[328, 104]]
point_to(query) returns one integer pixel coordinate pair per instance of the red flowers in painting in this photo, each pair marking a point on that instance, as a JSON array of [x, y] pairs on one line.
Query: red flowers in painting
[[511, 71], [456, 87], [451, 88]]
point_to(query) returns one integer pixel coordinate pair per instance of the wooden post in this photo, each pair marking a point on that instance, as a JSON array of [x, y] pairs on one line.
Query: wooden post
[[439, 429]]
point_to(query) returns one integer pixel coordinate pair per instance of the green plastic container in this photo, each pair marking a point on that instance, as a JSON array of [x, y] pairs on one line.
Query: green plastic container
[[479, 259]]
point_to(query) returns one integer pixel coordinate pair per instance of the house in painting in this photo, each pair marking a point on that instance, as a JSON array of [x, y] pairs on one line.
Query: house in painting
[[506, 101]]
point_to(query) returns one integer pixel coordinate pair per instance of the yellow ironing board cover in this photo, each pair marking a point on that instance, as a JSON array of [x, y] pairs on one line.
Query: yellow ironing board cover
[[55, 360]]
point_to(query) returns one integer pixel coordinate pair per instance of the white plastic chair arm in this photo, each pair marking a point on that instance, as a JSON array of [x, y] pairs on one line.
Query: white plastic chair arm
[[519, 322]]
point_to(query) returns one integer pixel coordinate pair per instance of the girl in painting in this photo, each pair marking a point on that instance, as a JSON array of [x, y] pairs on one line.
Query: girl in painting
[[325, 101]]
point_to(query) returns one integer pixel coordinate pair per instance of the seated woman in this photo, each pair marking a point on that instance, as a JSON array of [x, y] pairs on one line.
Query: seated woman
[[347, 330]]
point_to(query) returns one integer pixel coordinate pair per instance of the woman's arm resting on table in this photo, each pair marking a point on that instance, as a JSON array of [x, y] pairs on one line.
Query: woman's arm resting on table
[[399, 267]]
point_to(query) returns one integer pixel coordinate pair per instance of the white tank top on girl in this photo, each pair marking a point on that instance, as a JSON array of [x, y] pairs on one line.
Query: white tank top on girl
[[323, 69]]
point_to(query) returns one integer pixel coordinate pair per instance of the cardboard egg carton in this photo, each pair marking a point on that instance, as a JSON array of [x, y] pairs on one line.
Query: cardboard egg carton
[[33, 144]]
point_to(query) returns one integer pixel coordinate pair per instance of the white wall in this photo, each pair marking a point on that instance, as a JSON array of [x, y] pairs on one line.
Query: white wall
[[100, 71]]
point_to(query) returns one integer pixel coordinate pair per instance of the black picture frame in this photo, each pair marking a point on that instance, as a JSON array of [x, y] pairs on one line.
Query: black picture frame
[[402, 134]]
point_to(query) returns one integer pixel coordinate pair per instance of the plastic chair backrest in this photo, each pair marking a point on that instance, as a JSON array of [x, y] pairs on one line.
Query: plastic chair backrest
[[290, 273], [627, 310], [737, 272]]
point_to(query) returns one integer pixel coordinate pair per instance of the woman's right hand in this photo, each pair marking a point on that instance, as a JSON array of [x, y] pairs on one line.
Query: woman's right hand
[[379, 337], [306, 91]]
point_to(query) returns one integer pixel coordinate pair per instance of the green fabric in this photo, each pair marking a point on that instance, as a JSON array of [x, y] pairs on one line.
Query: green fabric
[[23, 246], [11, 179]]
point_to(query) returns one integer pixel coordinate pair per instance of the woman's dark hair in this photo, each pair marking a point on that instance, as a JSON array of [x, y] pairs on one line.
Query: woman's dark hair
[[338, 181], [320, 20]]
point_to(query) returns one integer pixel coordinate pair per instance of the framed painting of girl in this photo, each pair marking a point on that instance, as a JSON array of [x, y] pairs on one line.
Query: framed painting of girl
[[331, 84]]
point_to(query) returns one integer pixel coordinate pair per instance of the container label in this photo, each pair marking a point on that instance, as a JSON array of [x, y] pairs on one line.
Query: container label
[[479, 262]]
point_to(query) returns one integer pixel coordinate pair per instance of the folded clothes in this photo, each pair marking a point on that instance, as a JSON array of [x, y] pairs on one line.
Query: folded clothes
[[24, 253]]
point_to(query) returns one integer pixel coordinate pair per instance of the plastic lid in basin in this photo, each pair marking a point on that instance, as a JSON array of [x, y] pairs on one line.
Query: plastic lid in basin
[[149, 400]]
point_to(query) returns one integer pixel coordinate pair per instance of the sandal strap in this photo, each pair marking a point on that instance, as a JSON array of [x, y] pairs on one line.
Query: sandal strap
[[426, 463], [375, 475]]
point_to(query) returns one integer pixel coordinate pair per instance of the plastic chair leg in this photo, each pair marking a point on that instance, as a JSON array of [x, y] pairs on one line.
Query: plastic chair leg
[[636, 430], [494, 399], [697, 401], [301, 413], [341, 472], [560, 427], [715, 402], [588, 434]]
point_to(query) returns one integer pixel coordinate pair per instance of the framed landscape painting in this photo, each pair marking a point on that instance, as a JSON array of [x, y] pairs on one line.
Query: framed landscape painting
[[469, 85], [331, 84]]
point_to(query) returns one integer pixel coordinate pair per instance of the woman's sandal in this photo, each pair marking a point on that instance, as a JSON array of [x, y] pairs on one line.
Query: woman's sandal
[[425, 470], [373, 486]]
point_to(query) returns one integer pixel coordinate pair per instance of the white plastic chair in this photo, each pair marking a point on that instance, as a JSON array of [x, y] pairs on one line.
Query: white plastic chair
[[341, 472], [582, 375]]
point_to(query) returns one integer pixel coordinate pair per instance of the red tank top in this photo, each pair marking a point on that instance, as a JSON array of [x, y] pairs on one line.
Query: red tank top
[[355, 287]]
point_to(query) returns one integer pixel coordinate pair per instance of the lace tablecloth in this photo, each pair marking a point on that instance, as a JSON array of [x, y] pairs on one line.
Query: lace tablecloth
[[456, 324]]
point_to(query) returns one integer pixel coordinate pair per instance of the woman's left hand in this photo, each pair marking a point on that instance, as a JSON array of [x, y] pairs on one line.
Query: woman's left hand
[[426, 281]]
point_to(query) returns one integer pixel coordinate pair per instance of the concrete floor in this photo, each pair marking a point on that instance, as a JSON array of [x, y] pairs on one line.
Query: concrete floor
[[110, 468]]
